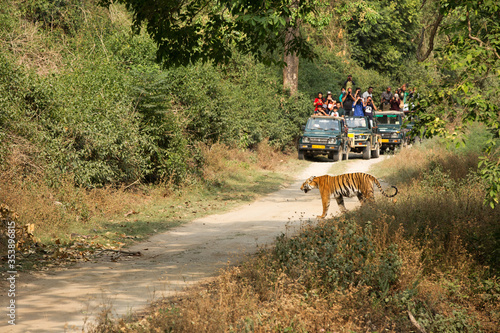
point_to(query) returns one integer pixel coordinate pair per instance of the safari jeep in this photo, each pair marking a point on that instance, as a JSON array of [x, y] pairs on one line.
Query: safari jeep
[[389, 125], [409, 122], [363, 137], [323, 135]]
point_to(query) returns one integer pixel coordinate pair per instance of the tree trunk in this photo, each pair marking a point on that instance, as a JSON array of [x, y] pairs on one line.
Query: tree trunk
[[291, 70], [291, 73]]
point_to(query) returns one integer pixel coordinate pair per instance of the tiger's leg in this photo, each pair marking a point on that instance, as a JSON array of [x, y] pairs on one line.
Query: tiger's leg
[[325, 200], [340, 202], [366, 195], [361, 198]]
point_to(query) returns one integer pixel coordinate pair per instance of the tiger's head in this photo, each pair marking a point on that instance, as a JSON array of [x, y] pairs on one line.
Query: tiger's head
[[309, 184]]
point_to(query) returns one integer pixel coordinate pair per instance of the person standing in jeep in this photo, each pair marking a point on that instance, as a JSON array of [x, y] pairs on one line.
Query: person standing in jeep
[[368, 93], [348, 101], [319, 101], [370, 108], [385, 99], [359, 104], [340, 110], [349, 83]]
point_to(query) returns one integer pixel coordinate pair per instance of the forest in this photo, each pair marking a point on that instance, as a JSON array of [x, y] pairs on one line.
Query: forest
[[85, 95], [145, 98]]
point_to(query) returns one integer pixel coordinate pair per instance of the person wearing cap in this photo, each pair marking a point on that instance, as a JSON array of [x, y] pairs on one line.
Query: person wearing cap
[[329, 96], [330, 104], [349, 83], [385, 99]]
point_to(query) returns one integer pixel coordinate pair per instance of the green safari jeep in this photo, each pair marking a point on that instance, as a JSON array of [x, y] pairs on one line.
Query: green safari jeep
[[389, 124], [323, 135], [364, 138]]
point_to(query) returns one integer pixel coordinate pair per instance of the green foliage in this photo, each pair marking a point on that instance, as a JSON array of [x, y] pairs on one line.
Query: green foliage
[[110, 115], [54, 14], [165, 143], [456, 322], [133, 51], [212, 30], [337, 256], [470, 66], [381, 33], [240, 106], [330, 73]]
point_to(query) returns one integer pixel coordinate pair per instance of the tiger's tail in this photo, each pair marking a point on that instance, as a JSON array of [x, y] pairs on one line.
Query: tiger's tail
[[375, 180]]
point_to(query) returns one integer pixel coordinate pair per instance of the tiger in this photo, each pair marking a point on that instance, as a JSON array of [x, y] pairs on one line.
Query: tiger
[[346, 185]]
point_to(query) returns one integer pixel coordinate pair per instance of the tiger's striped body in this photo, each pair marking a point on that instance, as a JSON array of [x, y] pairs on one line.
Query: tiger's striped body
[[347, 185]]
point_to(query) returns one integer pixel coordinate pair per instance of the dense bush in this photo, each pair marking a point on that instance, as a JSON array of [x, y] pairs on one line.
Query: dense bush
[[330, 73], [55, 14], [108, 114], [335, 257]]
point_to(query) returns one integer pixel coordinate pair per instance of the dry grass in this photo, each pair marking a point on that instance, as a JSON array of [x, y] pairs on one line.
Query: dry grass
[[57, 204], [267, 157], [239, 300], [220, 159], [413, 163], [446, 241], [35, 52]]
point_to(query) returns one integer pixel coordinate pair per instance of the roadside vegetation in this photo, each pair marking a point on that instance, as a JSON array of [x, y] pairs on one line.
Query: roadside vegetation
[[92, 128], [70, 224], [425, 261], [101, 146]]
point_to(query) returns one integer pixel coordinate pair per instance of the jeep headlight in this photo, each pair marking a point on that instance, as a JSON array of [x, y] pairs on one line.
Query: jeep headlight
[[359, 137], [331, 141], [394, 136], [305, 139]]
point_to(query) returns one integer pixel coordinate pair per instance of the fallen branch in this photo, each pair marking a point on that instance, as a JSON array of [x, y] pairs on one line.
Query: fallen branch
[[128, 253], [415, 323]]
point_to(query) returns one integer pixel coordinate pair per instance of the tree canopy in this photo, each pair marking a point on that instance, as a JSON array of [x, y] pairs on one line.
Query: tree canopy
[[459, 41], [381, 33], [206, 30], [469, 62]]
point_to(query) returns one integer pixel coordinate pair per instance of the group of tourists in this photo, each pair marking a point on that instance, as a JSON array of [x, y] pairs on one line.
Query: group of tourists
[[359, 104]]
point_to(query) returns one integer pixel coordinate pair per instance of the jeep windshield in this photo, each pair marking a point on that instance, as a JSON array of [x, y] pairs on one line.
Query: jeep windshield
[[356, 122], [323, 124], [390, 120]]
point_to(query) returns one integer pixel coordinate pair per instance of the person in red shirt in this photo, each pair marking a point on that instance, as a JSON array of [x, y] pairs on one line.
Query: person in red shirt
[[318, 101]]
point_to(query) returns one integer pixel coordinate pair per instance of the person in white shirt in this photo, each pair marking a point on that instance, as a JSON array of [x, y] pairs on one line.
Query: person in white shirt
[[367, 93], [335, 112]]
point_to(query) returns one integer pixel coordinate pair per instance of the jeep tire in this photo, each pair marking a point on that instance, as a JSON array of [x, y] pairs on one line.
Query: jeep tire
[[301, 155], [367, 151], [336, 155], [376, 151]]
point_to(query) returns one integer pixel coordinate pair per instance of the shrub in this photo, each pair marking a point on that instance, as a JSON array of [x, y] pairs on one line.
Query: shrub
[[54, 14], [333, 256]]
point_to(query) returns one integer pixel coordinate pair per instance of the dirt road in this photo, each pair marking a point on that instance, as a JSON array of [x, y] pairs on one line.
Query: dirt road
[[62, 301]]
